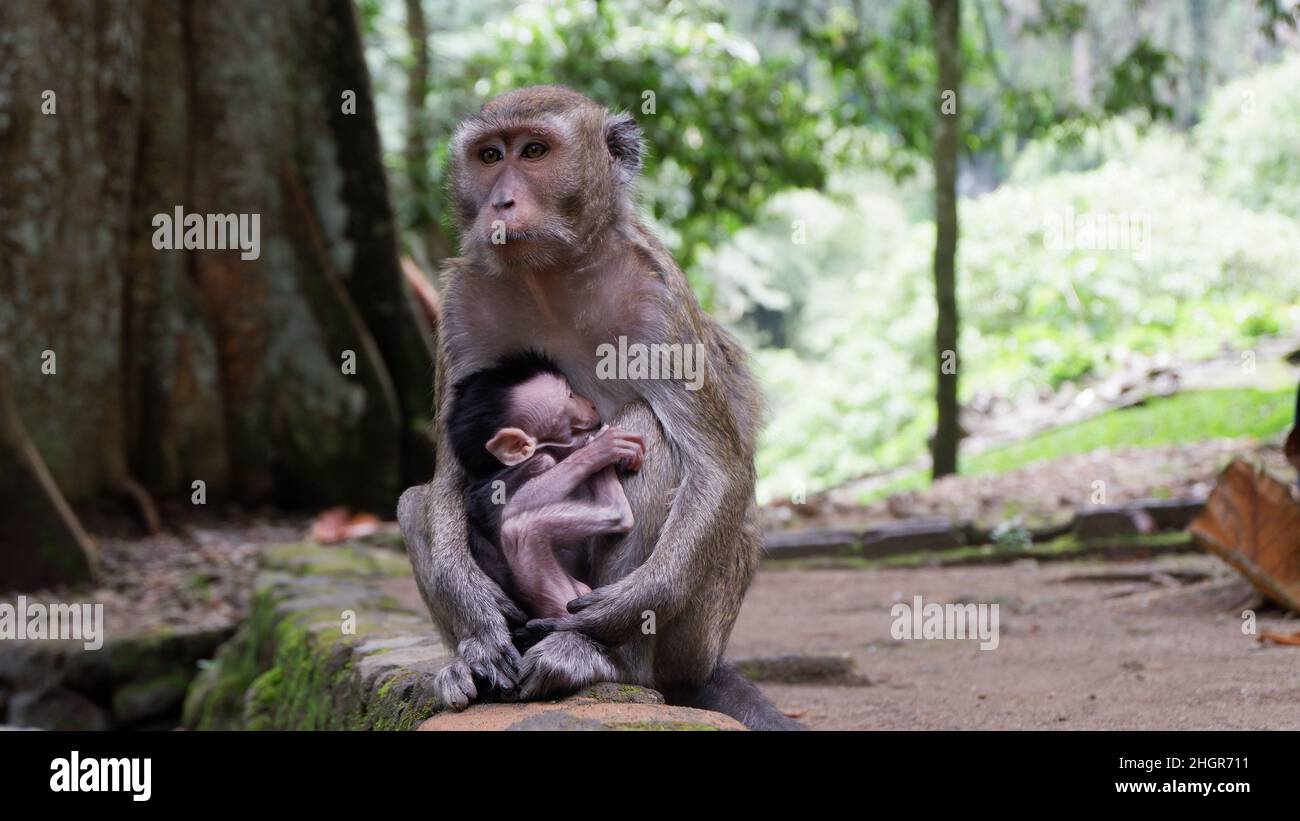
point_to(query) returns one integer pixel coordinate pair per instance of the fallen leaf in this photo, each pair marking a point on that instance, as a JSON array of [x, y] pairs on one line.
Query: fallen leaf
[[337, 524], [1292, 639], [1252, 523]]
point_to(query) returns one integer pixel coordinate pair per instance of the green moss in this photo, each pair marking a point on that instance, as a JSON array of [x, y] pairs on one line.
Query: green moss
[[291, 667], [305, 559], [262, 699], [397, 706], [215, 700]]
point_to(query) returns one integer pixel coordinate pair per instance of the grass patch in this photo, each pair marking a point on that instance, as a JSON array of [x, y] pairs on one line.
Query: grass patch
[[1175, 420], [1184, 418]]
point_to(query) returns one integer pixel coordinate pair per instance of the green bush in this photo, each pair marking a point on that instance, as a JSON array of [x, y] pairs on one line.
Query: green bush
[[1251, 137], [852, 390]]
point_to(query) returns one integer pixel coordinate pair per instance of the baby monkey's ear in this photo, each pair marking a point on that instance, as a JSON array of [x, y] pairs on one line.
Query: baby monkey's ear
[[511, 446]]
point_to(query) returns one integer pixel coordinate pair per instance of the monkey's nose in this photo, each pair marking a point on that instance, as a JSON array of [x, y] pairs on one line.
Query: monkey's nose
[[502, 205]]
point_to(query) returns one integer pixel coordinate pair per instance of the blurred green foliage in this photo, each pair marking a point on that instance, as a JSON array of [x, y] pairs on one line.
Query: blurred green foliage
[[849, 391], [1251, 139]]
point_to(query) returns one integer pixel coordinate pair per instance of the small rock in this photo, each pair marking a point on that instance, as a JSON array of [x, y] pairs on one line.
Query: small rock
[[55, 708], [1102, 522], [612, 693], [910, 537], [803, 668], [149, 699]]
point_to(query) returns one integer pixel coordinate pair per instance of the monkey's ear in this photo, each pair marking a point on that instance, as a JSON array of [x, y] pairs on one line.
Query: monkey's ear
[[623, 137], [511, 446]]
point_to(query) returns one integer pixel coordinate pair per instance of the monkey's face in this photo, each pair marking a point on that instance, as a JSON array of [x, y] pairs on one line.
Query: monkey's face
[[543, 412], [519, 200], [549, 411], [539, 171]]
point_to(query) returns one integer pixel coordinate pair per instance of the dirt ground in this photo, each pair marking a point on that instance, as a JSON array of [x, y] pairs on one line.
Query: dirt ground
[[1098, 655], [1118, 654]]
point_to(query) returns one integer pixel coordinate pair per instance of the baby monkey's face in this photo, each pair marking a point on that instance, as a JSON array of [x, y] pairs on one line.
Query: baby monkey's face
[[546, 408]]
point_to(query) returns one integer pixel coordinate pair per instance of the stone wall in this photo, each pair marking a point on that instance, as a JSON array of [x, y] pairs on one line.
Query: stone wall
[[330, 644], [325, 647], [131, 682]]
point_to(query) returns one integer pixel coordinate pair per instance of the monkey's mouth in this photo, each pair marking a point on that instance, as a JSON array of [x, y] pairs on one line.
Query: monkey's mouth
[[532, 235]]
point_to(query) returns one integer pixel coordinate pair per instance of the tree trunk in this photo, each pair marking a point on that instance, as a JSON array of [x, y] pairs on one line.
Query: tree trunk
[[433, 241], [1198, 14], [946, 15], [181, 366]]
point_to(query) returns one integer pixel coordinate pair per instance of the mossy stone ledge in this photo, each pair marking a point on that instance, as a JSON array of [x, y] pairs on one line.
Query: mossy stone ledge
[[328, 646], [325, 647]]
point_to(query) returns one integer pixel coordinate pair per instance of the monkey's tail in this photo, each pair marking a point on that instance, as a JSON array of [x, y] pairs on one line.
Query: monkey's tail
[[728, 691], [426, 296]]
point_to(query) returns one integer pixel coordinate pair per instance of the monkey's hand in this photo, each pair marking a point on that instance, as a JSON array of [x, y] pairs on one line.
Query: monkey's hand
[[493, 664], [513, 613], [454, 685], [615, 446], [600, 614], [562, 663]]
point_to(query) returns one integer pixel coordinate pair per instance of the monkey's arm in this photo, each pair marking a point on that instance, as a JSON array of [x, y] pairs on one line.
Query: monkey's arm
[[559, 482], [469, 609], [608, 492]]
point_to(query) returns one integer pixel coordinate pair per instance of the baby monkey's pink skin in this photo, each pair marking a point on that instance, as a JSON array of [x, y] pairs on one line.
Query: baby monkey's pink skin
[[576, 495]]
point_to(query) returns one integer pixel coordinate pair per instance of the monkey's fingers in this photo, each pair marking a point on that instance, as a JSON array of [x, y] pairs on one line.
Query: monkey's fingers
[[495, 664], [583, 602], [512, 612], [541, 628], [494, 677], [630, 457], [453, 685], [510, 661], [524, 639], [563, 663]]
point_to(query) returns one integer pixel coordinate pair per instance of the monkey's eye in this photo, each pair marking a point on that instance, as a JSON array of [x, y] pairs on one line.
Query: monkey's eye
[[534, 151], [490, 155]]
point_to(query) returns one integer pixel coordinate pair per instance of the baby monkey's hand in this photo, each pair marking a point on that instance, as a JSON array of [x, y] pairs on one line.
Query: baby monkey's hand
[[614, 446]]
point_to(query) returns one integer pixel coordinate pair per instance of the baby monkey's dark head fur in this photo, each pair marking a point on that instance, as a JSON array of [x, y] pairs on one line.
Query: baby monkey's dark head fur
[[542, 171], [500, 414]]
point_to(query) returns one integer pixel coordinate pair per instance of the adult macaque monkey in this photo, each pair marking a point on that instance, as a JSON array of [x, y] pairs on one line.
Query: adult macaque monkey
[[555, 257]]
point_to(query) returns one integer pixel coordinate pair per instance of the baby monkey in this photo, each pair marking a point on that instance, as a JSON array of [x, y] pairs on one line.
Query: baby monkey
[[542, 485]]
